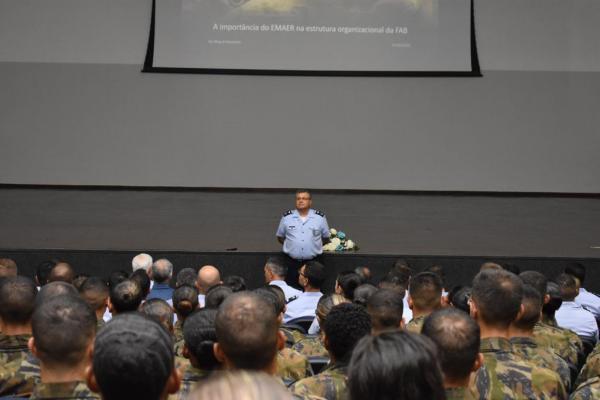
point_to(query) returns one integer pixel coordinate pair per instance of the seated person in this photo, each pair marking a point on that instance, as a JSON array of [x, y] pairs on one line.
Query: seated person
[[185, 302], [216, 295], [160, 311], [386, 308], [126, 296], [346, 283], [241, 385], [573, 316], [17, 302], [424, 297], [311, 278], [95, 292]]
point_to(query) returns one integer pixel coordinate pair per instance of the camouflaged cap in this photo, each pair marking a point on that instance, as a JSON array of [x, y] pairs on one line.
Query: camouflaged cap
[[63, 390], [506, 376], [13, 347], [588, 390], [291, 365], [591, 369], [20, 376], [311, 347], [561, 341], [330, 384], [190, 377], [416, 324], [530, 351]]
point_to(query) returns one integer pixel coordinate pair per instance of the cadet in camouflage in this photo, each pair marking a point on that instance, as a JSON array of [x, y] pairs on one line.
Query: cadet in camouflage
[[291, 365], [424, 297], [311, 346], [530, 351], [20, 376], [63, 390], [13, 347], [558, 340], [591, 369], [329, 384], [416, 324], [589, 390], [190, 377]]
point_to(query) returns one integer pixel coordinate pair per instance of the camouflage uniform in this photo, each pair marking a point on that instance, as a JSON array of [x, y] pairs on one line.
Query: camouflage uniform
[[291, 365], [416, 324], [329, 384], [100, 324], [591, 369], [63, 390], [182, 363], [178, 331], [178, 348], [458, 393], [506, 376], [13, 347], [20, 376], [558, 340], [311, 347], [530, 351], [588, 390], [292, 336], [549, 321], [190, 377]]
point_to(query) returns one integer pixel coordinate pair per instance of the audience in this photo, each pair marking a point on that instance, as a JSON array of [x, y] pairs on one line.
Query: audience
[[345, 325], [588, 300], [424, 297], [311, 278], [275, 273], [572, 315], [185, 302], [456, 336], [162, 271], [133, 359], [395, 366], [187, 276], [208, 276], [17, 302], [63, 334], [398, 279], [385, 308]]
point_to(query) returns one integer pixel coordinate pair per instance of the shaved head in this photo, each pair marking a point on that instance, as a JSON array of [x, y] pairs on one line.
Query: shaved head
[[208, 276], [62, 272]]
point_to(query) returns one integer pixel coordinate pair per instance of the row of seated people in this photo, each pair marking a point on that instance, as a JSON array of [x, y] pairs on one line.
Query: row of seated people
[[486, 341]]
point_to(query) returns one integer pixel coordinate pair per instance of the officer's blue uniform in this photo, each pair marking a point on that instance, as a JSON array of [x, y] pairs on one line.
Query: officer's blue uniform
[[303, 239]]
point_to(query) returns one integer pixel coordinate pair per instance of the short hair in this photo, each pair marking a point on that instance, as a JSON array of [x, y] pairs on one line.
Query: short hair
[[385, 308], [325, 304], [490, 266], [535, 279], [63, 327], [141, 278], [364, 273], [241, 385], [439, 271], [425, 290], [498, 295], [186, 276], [159, 310], [42, 271], [280, 294], [553, 291], [79, 279], [54, 289], [126, 296], [395, 365], [298, 191], [457, 337], [363, 293], [567, 286], [199, 335], [532, 307], [272, 297], [142, 261], [216, 295], [62, 272], [348, 282], [133, 358], [162, 270], [397, 278], [17, 300], [8, 267], [276, 266], [247, 330], [235, 282], [314, 272], [117, 277], [94, 291], [459, 298], [344, 326], [185, 300], [577, 270]]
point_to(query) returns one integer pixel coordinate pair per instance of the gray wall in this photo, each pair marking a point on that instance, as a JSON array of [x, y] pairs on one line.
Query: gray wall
[[75, 109]]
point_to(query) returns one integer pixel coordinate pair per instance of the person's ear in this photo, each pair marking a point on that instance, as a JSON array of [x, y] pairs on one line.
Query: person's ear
[[219, 354], [410, 302], [546, 298], [280, 340], [478, 362], [111, 309], [90, 379], [520, 313], [186, 352], [473, 311], [325, 341], [401, 326], [32, 348], [174, 381], [338, 288]]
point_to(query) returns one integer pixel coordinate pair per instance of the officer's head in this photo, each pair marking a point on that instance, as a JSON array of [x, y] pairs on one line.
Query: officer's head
[[312, 274], [199, 337], [385, 308], [496, 298], [457, 338], [133, 359], [303, 200], [344, 326], [17, 300], [425, 292], [395, 365], [275, 268], [568, 287], [63, 330], [248, 333]]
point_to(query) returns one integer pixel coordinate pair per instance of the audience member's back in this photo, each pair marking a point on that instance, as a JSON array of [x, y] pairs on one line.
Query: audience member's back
[[17, 302]]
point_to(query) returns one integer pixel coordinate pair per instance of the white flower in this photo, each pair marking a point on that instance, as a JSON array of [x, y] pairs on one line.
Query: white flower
[[329, 247], [349, 244], [333, 232], [336, 242]]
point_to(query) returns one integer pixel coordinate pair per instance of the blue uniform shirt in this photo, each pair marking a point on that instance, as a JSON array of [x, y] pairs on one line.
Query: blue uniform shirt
[[303, 239]]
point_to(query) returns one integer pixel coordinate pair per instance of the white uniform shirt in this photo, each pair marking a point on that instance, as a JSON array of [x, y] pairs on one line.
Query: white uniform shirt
[[304, 306], [290, 292], [589, 301], [303, 239], [572, 316]]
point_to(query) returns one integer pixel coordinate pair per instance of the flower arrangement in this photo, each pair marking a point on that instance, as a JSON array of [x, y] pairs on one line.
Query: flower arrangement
[[339, 242]]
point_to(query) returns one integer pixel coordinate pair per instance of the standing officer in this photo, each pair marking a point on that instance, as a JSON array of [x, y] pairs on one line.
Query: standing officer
[[302, 232]]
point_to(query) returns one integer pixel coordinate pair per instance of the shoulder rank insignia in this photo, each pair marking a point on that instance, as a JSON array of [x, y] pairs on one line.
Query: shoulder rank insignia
[[289, 212], [320, 213]]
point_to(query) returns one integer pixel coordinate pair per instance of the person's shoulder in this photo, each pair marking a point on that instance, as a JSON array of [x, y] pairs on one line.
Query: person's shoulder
[[318, 212], [287, 213], [588, 390]]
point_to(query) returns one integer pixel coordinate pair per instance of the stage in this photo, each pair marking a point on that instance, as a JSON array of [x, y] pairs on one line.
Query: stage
[[100, 229]]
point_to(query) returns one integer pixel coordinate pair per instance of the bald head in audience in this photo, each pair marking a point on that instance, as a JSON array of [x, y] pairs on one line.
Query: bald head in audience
[[62, 272], [208, 276], [8, 268]]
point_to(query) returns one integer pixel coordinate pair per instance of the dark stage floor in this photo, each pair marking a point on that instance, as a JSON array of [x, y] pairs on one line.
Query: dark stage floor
[[382, 224]]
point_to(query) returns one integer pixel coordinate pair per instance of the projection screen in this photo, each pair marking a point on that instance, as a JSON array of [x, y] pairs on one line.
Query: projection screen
[[347, 37]]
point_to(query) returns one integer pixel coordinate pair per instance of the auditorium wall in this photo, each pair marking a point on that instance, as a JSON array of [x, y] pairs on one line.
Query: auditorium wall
[[76, 110]]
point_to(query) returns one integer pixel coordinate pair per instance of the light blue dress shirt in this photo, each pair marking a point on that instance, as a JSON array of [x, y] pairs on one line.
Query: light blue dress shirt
[[304, 306], [589, 301], [303, 239], [290, 292], [572, 316]]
